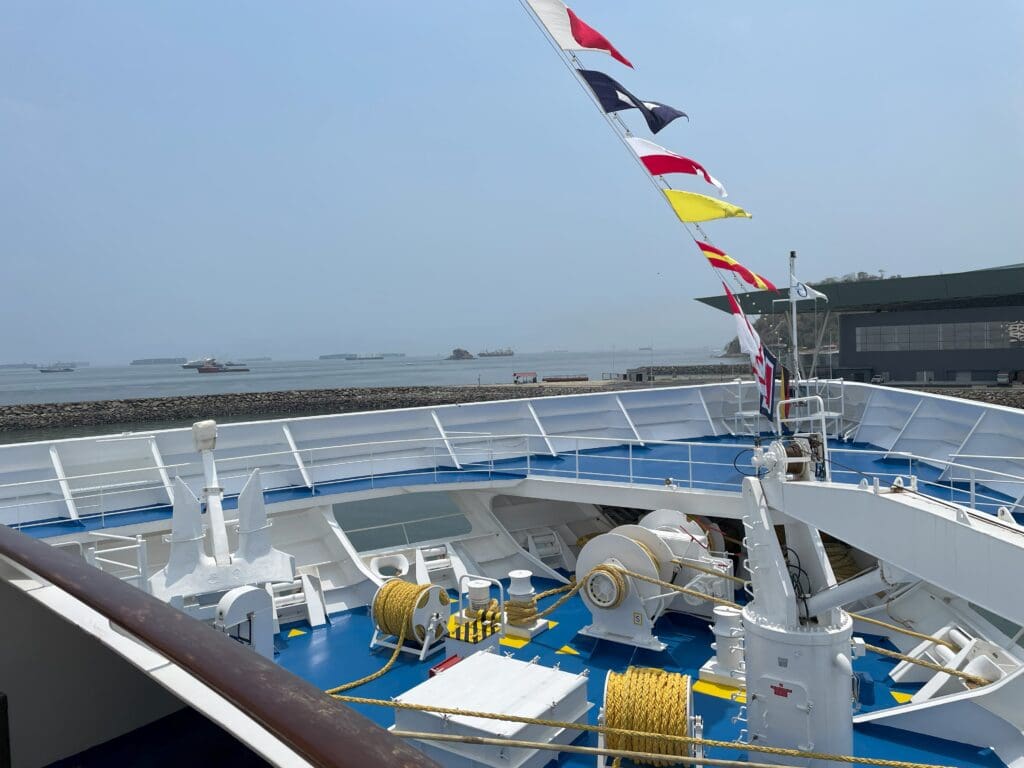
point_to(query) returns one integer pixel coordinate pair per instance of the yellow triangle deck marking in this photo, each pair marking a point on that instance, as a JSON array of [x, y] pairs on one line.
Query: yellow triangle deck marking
[[720, 691], [296, 633], [513, 642], [552, 624], [901, 698], [568, 649]]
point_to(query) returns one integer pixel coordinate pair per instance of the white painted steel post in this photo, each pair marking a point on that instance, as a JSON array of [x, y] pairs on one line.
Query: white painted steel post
[[630, 463], [371, 466], [689, 461], [214, 509], [142, 559], [973, 478], [577, 458]]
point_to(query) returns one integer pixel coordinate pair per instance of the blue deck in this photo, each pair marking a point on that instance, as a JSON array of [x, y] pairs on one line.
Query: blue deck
[[709, 465], [337, 653]]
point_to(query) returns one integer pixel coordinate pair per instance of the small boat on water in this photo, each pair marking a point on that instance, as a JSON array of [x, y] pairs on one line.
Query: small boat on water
[[199, 362], [214, 367], [56, 368]]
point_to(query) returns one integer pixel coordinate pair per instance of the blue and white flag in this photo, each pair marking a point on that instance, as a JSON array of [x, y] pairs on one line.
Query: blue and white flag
[[803, 291], [613, 97]]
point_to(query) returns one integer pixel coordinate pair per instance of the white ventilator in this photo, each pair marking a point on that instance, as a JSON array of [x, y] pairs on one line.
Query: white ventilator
[[728, 666]]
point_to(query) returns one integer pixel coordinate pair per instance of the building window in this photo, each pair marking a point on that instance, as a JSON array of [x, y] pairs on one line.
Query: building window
[[930, 337]]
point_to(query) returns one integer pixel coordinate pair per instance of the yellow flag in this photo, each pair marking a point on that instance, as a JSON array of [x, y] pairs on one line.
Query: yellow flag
[[691, 207]]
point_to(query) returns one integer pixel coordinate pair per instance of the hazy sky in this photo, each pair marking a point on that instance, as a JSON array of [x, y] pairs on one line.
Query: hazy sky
[[298, 178]]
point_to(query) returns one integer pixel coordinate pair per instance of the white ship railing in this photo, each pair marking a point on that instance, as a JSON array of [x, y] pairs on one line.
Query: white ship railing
[[437, 460]]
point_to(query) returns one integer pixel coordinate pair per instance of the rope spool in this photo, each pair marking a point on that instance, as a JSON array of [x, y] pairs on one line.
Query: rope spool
[[404, 610], [605, 564], [648, 701], [606, 586], [650, 554]]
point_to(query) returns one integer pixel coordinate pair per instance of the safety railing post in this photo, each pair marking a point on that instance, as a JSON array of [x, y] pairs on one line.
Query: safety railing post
[[311, 471], [630, 463], [577, 458], [973, 478], [371, 466], [142, 558], [527, 449], [103, 510], [433, 459], [490, 451], [689, 461]]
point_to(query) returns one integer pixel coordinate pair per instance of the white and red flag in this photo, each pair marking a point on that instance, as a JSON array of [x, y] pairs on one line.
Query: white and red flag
[[570, 31], [658, 161], [763, 363]]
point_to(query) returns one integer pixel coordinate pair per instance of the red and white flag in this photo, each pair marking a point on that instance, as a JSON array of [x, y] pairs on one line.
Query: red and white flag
[[658, 160], [570, 31], [762, 362]]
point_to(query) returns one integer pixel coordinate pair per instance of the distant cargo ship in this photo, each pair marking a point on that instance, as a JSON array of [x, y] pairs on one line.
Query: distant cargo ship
[[158, 361], [56, 368], [199, 363], [506, 352], [351, 356]]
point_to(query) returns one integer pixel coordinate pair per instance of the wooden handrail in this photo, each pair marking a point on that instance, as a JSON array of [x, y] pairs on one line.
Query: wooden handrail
[[323, 731]]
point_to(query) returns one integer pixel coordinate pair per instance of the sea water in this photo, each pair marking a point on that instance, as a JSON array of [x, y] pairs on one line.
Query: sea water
[[21, 386]]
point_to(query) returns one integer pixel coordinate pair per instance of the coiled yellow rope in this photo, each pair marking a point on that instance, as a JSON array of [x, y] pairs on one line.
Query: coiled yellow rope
[[615, 574], [737, 745], [521, 613], [650, 554], [646, 700], [393, 609]]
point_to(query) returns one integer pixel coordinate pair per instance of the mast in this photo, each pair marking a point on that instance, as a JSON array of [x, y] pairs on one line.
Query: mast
[[792, 307]]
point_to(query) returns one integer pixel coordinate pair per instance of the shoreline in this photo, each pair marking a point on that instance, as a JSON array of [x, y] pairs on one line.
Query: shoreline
[[49, 421], [40, 421]]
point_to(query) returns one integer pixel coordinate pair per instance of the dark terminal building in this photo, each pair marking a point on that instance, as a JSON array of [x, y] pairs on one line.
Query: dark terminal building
[[956, 328]]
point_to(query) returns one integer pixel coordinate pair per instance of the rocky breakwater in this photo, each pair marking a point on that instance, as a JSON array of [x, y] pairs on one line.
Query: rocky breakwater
[[166, 411], [1012, 397]]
